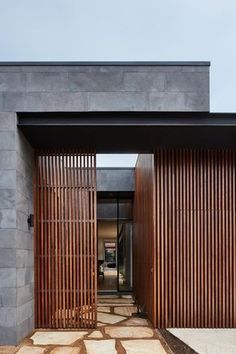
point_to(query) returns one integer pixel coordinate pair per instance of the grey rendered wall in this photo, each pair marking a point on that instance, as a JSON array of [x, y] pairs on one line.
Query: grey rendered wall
[[66, 88], [16, 241]]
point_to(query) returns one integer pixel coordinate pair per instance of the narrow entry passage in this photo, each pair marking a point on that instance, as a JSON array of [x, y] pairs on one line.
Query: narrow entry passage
[[65, 240]]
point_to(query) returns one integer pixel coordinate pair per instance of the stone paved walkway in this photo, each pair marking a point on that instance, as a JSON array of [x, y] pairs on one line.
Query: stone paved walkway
[[118, 332]]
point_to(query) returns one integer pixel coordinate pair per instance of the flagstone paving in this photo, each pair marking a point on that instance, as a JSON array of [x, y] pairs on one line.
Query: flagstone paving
[[101, 347], [104, 309], [142, 346], [57, 337], [96, 334], [7, 349], [65, 350], [29, 349], [125, 310], [118, 331], [109, 318], [129, 332], [135, 321]]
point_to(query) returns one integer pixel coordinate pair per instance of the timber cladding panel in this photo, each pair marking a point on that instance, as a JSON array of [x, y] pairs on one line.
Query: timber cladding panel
[[193, 235], [195, 220], [144, 236], [65, 239]]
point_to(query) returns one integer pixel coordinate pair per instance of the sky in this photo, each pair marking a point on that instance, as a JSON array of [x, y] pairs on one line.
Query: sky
[[126, 30]]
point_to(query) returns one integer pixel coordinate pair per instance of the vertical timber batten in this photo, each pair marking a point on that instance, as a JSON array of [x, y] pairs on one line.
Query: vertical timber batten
[[65, 239], [144, 240], [196, 238], [184, 220]]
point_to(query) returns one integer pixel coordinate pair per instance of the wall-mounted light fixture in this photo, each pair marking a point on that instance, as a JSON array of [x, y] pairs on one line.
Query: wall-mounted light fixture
[[30, 221]]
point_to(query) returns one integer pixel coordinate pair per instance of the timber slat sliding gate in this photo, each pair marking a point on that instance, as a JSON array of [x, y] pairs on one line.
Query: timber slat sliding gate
[[65, 239]]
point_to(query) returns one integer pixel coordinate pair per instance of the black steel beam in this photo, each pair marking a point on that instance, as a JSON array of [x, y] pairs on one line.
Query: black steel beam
[[126, 119]]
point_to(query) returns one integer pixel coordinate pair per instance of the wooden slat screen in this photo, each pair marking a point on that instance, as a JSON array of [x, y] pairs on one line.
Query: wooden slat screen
[[65, 239], [196, 238], [144, 256]]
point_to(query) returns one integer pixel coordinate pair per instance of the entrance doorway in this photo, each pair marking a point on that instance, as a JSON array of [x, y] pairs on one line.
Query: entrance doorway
[[83, 239], [114, 232]]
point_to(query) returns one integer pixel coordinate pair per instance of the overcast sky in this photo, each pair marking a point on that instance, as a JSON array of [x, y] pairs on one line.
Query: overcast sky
[[123, 30]]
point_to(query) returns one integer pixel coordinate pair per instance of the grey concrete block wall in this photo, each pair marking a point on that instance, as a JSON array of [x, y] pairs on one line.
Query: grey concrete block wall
[[24, 251], [104, 88], [45, 88], [16, 241]]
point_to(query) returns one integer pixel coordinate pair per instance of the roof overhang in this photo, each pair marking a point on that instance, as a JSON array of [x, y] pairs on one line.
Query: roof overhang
[[129, 131]]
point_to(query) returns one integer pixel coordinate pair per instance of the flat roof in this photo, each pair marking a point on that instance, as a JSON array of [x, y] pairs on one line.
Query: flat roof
[[128, 132], [105, 63]]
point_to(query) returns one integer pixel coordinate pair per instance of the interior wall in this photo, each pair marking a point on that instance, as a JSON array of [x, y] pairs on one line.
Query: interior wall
[[144, 236], [106, 230]]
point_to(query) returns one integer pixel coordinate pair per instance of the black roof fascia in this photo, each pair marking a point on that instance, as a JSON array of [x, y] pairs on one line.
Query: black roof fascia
[[145, 119], [105, 63]]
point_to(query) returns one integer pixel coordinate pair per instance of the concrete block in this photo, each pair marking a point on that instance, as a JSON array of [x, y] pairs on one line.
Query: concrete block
[[179, 101], [24, 166], [7, 160], [7, 140], [12, 82], [24, 329], [7, 198], [8, 179], [8, 336], [196, 69], [7, 121], [96, 81], [1, 102], [7, 277], [47, 81], [31, 321], [7, 218], [7, 316], [24, 185], [22, 203], [21, 221], [197, 101], [24, 149], [29, 276], [25, 294], [24, 312], [142, 81], [8, 238], [187, 82], [24, 258], [45, 101], [7, 257], [24, 276], [21, 277], [117, 101], [7, 297], [24, 239], [165, 101]]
